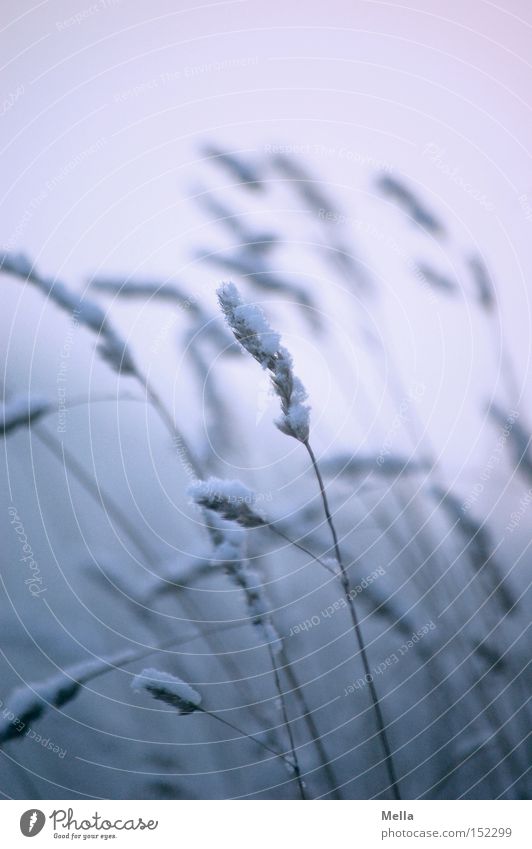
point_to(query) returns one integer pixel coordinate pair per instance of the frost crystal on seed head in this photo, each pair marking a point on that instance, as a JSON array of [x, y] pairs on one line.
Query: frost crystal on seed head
[[230, 498], [230, 553], [248, 323], [296, 414], [251, 329], [169, 689]]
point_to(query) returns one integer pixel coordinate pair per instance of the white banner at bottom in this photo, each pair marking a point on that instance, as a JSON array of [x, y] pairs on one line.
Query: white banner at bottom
[[267, 824]]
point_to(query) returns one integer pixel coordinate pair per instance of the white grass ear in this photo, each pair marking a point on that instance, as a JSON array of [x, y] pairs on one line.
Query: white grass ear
[[169, 689], [252, 330]]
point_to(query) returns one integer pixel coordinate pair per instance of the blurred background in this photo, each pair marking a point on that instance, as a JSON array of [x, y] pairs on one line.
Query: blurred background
[[362, 171]]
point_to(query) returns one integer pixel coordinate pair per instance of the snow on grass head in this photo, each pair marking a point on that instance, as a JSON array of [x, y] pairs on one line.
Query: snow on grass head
[[169, 689], [229, 498], [251, 329], [249, 325]]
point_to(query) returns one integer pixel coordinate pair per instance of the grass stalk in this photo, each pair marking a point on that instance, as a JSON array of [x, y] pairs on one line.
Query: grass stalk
[[246, 734], [358, 631], [287, 723]]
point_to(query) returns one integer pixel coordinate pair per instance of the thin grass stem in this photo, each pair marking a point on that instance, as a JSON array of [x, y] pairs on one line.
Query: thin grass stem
[[288, 726], [358, 631]]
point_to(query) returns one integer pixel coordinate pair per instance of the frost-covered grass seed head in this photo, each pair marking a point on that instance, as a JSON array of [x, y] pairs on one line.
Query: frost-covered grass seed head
[[169, 689], [229, 498], [251, 329]]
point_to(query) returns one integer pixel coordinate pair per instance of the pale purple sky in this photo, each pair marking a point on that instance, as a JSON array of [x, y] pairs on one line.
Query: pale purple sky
[[105, 106]]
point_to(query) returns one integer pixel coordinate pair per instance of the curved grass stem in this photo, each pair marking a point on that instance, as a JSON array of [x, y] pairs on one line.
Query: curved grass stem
[[358, 631]]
